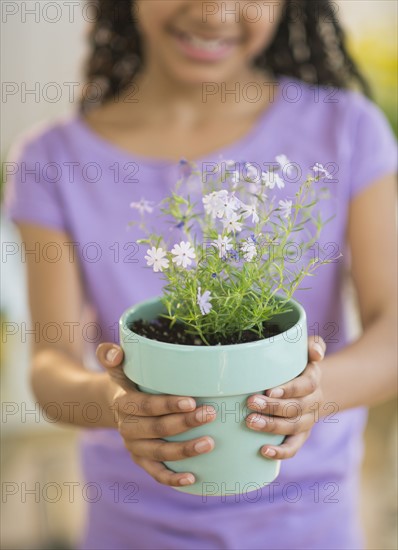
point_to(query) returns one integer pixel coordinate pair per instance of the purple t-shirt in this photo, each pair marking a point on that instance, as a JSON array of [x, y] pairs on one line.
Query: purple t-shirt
[[71, 179]]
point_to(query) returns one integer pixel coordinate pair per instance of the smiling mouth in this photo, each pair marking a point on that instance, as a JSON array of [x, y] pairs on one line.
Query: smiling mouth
[[202, 43]]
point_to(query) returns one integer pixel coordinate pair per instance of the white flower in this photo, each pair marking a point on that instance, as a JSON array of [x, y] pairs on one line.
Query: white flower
[[220, 204], [286, 208], [236, 203], [230, 163], [252, 172], [142, 206], [256, 188], [250, 210], [156, 258], [223, 244], [183, 254], [203, 301], [213, 202], [228, 205], [321, 170], [235, 178], [282, 160], [232, 223], [285, 164], [249, 250], [270, 179]]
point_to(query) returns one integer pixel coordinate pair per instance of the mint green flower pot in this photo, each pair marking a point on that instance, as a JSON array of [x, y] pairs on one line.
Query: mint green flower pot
[[223, 376]]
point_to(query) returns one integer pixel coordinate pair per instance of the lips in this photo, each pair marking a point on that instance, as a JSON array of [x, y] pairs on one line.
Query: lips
[[204, 43], [204, 48]]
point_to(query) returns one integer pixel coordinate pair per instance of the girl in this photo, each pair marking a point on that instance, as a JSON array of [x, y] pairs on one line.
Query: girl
[[174, 79]]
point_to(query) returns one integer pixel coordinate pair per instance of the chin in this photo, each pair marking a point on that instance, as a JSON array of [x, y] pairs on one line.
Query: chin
[[198, 74]]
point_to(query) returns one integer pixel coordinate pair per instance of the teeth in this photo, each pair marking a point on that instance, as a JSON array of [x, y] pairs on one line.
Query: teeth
[[209, 45]]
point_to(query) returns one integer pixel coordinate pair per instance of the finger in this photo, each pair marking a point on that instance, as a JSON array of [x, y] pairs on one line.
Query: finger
[[305, 384], [147, 404], [160, 450], [285, 408], [278, 425], [288, 449], [111, 357], [165, 476], [159, 427], [316, 348]]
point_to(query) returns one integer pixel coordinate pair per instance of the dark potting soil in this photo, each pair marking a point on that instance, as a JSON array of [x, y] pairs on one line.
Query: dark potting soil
[[159, 329]]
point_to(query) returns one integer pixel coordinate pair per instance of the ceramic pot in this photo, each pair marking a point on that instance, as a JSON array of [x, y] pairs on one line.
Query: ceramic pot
[[223, 376]]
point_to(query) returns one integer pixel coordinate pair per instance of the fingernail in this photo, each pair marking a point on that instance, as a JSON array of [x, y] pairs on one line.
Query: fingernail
[[187, 480], [318, 348], [186, 404], [111, 354], [205, 414], [257, 421], [202, 446], [276, 392], [258, 401], [269, 452]]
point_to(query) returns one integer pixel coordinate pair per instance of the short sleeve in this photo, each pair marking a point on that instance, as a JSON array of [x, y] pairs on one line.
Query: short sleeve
[[32, 187], [373, 145]]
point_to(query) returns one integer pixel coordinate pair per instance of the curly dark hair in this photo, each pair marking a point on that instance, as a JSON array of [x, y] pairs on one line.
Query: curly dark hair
[[309, 45]]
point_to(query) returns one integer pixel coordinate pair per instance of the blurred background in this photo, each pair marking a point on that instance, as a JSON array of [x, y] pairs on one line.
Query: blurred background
[[43, 46]]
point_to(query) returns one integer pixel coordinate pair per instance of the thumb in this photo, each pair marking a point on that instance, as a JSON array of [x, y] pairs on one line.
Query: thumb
[[111, 357], [316, 348]]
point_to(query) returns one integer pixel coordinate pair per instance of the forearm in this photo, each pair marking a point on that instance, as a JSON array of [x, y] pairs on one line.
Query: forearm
[[70, 393], [365, 372]]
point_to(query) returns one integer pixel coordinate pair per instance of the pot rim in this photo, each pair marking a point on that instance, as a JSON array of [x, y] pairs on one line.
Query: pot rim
[[206, 349]]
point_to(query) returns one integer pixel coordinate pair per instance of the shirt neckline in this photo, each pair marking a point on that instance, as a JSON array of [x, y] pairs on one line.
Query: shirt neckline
[[107, 147]]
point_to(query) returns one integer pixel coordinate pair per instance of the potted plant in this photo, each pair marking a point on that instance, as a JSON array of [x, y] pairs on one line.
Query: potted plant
[[226, 325]]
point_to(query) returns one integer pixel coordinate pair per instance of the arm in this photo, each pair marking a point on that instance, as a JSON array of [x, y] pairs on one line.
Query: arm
[[56, 296], [365, 372], [58, 374]]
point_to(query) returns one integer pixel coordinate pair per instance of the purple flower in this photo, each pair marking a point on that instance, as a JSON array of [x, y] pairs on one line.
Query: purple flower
[[181, 224], [185, 168]]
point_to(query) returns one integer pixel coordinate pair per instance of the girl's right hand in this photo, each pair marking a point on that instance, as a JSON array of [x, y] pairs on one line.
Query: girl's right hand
[[143, 420]]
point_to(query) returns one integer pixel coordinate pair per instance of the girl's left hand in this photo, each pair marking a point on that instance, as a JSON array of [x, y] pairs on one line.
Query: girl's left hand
[[291, 408]]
